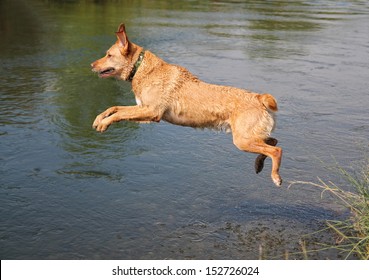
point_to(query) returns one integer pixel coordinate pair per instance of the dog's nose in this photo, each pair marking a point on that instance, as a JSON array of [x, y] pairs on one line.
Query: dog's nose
[[92, 64]]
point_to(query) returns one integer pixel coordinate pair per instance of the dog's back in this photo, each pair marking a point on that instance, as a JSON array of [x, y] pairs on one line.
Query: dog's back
[[188, 101]]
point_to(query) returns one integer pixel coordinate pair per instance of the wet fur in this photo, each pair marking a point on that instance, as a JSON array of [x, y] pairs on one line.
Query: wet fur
[[171, 93]]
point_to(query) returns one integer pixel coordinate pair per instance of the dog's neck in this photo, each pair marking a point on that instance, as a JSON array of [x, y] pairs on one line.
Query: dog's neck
[[137, 64]]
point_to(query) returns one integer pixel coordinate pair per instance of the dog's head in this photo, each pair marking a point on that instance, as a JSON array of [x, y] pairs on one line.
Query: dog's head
[[119, 59]]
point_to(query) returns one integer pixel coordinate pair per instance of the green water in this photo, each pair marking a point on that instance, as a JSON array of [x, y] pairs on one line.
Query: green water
[[155, 191]]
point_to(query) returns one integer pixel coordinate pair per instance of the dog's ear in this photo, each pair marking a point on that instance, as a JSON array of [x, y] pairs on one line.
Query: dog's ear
[[122, 39]]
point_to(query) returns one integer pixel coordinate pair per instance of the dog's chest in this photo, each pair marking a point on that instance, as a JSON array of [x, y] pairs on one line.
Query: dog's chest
[[148, 96], [138, 101]]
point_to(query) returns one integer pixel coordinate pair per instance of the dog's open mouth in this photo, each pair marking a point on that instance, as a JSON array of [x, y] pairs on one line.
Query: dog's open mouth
[[106, 72]]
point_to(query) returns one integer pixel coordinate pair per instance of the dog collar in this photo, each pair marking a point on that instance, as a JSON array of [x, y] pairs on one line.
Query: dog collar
[[137, 64]]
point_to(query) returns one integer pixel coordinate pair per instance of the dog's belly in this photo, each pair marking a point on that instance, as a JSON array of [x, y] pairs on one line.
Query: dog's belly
[[197, 120]]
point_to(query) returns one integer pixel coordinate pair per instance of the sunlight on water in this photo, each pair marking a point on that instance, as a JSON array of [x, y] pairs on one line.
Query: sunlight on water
[[155, 191]]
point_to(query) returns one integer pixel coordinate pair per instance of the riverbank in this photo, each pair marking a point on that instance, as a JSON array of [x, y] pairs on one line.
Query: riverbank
[[351, 234]]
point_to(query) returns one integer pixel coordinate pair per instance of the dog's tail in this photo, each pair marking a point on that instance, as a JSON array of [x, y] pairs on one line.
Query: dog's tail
[[268, 101]]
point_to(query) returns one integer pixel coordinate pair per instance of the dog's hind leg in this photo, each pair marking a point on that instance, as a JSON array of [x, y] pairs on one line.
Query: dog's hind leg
[[258, 146], [259, 161]]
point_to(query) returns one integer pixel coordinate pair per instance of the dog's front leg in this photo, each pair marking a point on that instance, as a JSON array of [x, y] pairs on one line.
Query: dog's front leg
[[125, 113]]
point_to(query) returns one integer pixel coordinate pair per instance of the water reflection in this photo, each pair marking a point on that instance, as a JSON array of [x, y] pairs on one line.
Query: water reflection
[[159, 191], [19, 28], [20, 72]]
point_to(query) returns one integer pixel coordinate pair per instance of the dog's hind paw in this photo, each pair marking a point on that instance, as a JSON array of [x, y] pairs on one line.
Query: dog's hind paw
[[259, 163], [277, 180]]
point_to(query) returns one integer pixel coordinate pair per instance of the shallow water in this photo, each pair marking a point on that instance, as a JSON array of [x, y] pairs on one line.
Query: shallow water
[[155, 191]]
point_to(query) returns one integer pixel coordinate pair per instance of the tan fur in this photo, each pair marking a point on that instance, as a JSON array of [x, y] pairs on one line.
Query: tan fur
[[170, 92]]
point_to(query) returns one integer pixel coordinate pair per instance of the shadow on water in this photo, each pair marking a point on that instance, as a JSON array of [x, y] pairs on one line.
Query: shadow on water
[[158, 191]]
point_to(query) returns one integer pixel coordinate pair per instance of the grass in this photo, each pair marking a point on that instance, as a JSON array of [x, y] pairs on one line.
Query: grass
[[352, 234]]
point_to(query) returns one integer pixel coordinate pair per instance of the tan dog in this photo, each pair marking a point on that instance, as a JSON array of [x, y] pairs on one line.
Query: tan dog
[[169, 92]]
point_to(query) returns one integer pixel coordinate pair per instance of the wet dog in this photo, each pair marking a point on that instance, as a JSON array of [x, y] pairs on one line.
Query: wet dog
[[171, 93]]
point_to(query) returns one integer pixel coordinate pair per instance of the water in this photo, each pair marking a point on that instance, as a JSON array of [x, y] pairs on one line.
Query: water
[[155, 191]]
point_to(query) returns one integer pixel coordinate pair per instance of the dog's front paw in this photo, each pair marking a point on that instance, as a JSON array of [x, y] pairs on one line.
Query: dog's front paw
[[106, 118], [100, 123], [96, 122]]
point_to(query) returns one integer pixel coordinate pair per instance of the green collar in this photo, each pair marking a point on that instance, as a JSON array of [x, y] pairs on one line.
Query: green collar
[[137, 64]]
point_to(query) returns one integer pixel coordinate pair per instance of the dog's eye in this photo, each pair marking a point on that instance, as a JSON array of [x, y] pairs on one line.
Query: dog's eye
[[108, 55]]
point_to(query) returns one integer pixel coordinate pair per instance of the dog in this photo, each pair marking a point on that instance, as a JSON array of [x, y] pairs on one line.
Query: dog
[[171, 93]]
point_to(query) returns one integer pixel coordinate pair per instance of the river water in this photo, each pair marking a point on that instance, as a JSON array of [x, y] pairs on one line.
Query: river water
[[158, 191]]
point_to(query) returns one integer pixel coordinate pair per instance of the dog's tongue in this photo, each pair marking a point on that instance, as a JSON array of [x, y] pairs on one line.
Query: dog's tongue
[[106, 71]]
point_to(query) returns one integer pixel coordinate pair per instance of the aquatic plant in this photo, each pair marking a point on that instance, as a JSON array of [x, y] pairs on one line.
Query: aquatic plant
[[352, 233]]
